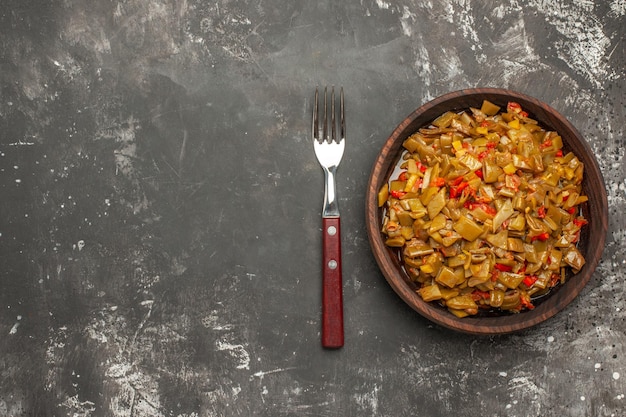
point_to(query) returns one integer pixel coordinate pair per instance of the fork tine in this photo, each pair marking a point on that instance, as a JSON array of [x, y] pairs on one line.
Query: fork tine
[[315, 128], [333, 129], [342, 119], [325, 132]]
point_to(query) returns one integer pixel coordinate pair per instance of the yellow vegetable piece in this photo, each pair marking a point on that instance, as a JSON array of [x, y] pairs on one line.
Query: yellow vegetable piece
[[447, 277], [458, 313], [491, 171], [417, 208], [410, 183], [555, 259], [470, 161], [405, 219], [514, 124], [407, 232], [499, 240], [445, 119], [383, 195], [461, 302], [397, 185], [509, 169], [505, 211], [395, 242], [489, 108], [428, 194], [480, 271], [573, 258], [447, 293], [496, 298], [511, 300], [430, 293], [510, 280], [437, 203], [468, 228], [411, 143], [438, 223], [515, 245], [416, 248], [458, 260]]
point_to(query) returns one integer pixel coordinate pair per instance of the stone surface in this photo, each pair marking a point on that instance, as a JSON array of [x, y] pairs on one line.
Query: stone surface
[[160, 207]]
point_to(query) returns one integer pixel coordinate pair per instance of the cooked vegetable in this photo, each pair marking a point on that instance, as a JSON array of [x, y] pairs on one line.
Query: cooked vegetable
[[485, 210]]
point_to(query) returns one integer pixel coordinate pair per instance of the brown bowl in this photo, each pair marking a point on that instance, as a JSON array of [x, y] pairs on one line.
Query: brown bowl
[[592, 236]]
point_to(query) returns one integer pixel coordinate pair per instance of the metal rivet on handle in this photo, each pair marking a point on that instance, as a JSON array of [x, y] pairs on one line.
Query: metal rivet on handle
[[332, 230], [332, 264]]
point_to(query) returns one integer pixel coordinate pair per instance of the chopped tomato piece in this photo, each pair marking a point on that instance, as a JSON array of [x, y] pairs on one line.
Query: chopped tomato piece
[[529, 280], [455, 191], [514, 107], [541, 236], [554, 279], [480, 295], [494, 275], [456, 181], [580, 222], [472, 205], [546, 144], [503, 267], [541, 212], [438, 182], [525, 301]]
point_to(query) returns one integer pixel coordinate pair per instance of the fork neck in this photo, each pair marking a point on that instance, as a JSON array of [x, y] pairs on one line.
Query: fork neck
[[331, 207]]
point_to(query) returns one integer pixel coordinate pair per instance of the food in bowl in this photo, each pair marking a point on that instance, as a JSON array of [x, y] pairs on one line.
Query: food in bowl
[[484, 210]]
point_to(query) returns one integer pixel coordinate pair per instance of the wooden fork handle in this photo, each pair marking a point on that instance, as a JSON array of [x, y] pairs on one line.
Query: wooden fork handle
[[332, 285]]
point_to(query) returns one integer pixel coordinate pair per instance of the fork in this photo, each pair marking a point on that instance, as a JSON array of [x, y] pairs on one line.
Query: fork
[[329, 151]]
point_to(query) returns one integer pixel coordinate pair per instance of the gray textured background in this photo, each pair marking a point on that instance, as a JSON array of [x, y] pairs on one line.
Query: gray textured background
[[160, 207]]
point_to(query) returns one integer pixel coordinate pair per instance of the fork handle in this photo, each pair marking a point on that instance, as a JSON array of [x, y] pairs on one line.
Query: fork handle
[[332, 286]]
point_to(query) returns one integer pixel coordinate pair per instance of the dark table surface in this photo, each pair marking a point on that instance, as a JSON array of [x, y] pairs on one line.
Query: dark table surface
[[160, 207]]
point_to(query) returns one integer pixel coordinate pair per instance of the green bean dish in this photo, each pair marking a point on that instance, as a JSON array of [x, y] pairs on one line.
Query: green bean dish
[[484, 209]]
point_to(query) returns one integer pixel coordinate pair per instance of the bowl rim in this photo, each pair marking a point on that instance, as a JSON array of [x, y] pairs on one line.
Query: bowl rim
[[596, 211]]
